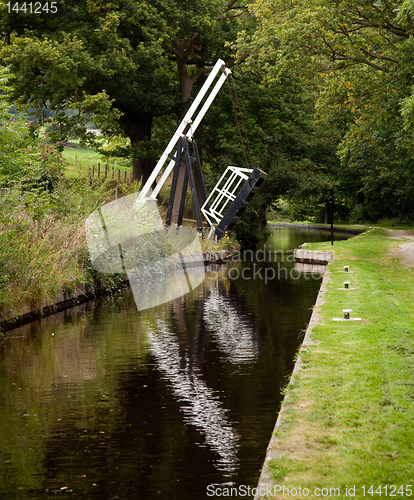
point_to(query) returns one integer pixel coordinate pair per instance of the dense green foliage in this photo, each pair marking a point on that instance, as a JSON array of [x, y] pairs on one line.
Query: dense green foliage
[[357, 59], [325, 90], [137, 66], [125, 63], [42, 214]]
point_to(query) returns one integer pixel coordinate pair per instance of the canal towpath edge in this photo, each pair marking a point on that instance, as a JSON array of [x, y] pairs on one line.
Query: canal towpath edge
[[346, 420], [266, 482], [83, 293]]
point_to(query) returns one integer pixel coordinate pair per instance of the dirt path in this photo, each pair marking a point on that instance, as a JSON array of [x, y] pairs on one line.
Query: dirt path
[[405, 251]]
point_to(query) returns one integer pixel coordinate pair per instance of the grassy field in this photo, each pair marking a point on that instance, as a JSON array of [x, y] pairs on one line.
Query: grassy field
[[350, 412], [82, 158]]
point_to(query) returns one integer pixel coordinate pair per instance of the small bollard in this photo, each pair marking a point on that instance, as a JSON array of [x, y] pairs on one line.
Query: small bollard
[[346, 284], [346, 268], [346, 313]]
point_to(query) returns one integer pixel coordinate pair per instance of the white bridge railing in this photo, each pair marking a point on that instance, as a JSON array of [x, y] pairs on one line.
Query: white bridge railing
[[224, 193], [187, 122]]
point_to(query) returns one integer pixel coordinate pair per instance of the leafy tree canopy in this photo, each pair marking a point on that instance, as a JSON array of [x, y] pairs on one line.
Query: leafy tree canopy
[[115, 60], [360, 56]]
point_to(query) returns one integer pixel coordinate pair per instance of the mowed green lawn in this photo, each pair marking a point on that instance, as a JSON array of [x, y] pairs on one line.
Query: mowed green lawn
[[82, 158], [350, 412]]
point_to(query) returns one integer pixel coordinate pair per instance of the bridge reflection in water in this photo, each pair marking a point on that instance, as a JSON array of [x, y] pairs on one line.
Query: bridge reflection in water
[[150, 404], [200, 405]]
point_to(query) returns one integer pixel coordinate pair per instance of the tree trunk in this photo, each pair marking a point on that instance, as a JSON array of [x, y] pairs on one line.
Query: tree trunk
[[138, 128], [185, 83], [141, 169]]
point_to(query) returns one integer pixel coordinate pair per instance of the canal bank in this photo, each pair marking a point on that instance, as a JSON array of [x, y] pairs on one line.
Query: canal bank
[[102, 285], [345, 427]]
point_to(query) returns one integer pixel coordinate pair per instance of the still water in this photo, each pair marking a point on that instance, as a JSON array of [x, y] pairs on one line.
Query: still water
[[103, 402]]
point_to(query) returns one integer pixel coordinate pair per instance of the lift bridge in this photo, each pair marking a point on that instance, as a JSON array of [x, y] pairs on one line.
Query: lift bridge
[[233, 192], [162, 258]]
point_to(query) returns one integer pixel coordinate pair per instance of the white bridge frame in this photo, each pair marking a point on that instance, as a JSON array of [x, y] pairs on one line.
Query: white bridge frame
[[224, 193], [147, 191]]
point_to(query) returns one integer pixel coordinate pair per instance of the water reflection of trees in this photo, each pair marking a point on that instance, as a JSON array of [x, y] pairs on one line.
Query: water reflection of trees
[[177, 343], [233, 334], [111, 391]]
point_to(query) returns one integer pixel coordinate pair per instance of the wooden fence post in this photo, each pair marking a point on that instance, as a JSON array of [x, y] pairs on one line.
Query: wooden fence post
[[99, 170], [106, 170]]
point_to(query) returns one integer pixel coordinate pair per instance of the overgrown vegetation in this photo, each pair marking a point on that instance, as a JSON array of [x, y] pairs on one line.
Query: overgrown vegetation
[[42, 243], [135, 72], [42, 214]]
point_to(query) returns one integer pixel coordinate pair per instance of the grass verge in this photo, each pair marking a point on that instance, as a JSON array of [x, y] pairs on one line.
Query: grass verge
[[43, 248], [350, 412]]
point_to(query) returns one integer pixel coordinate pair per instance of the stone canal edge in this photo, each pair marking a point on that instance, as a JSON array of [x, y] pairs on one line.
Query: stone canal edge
[[266, 483]]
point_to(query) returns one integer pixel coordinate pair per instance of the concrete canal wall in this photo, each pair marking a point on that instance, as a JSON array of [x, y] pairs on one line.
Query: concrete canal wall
[[313, 257], [266, 483], [306, 257]]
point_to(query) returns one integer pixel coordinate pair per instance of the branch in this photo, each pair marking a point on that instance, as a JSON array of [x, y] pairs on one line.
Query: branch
[[220, 18], [239, 60], [179, 49], [229, 5], [338, 57], [178, 45], [187, 44], [390, 27], [197, 75], [367, 52], [410, 20], [377, 56], [389, 41], [363, 61], [329, 47], [203, 71], [170, 49]]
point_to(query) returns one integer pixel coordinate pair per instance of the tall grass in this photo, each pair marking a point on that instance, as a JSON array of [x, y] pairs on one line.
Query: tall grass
[[42, 243]]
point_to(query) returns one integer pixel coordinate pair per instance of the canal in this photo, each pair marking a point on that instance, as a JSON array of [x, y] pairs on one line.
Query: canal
[[102, 401]]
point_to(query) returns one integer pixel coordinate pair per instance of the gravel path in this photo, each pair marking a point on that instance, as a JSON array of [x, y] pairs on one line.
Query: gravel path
[[405, 251]]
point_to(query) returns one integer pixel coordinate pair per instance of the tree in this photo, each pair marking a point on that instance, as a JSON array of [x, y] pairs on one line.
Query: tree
[[199, 37], [359, 54], [96, 58], [113, 61]]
